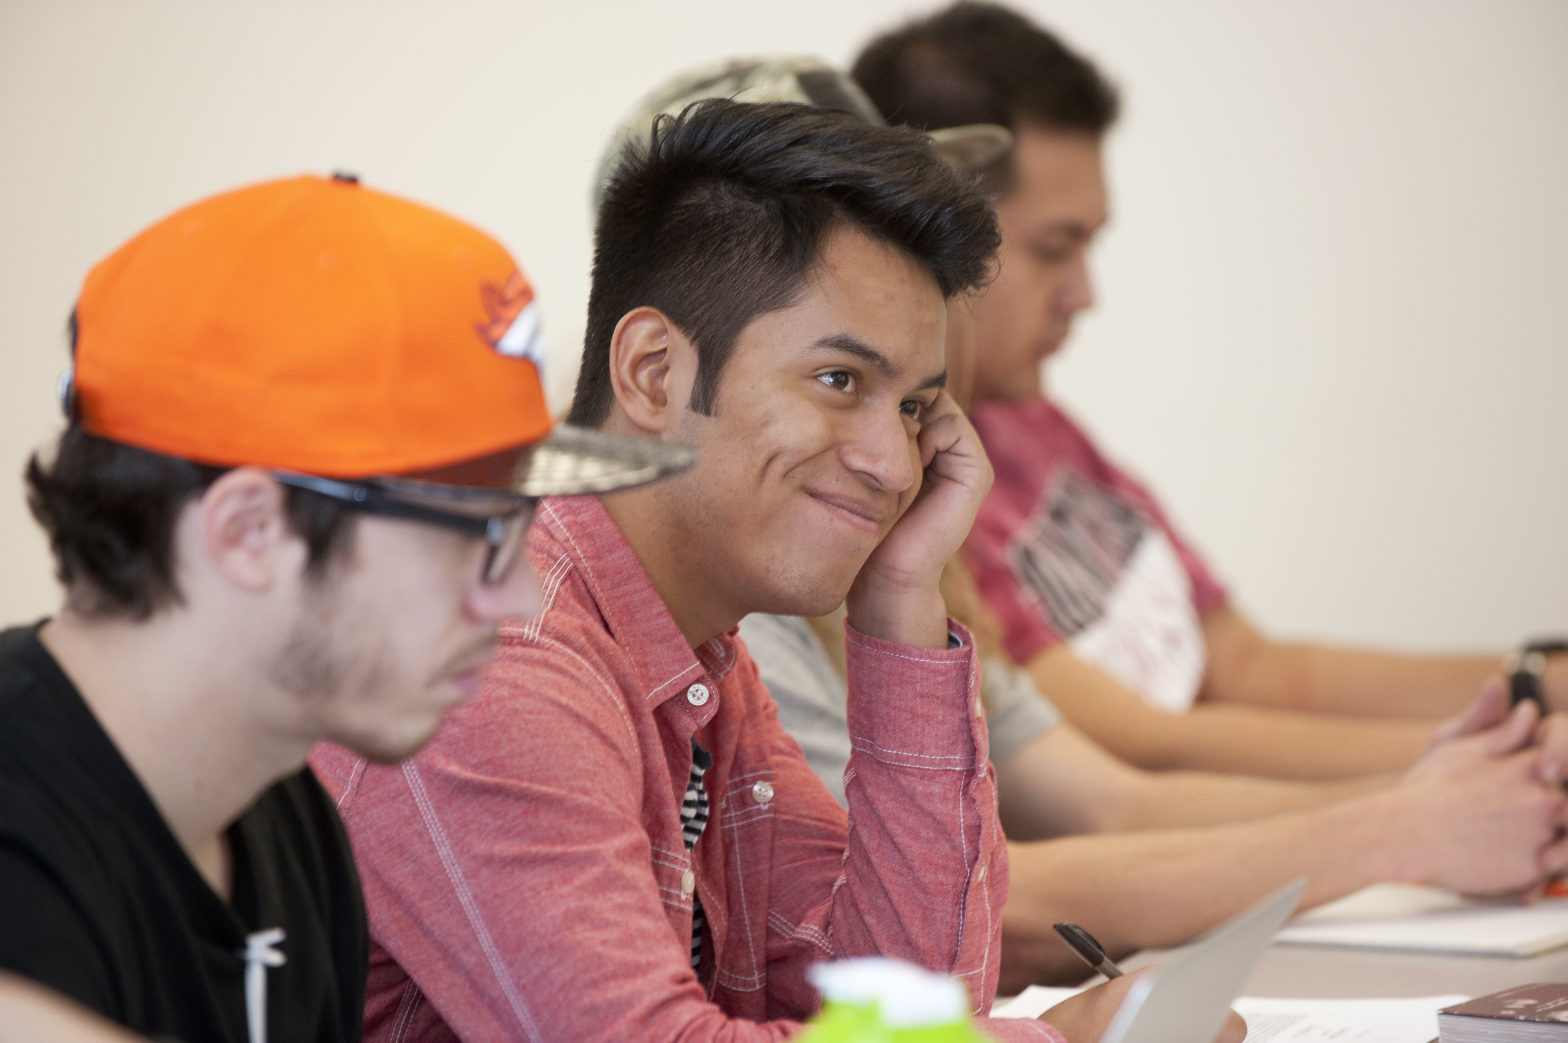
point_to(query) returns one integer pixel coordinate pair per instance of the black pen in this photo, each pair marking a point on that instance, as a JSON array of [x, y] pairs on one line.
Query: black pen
[[1088, 950]]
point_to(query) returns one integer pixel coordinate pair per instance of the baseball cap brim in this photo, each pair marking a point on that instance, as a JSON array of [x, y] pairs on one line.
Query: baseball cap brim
[[974, 146], [575, 460]]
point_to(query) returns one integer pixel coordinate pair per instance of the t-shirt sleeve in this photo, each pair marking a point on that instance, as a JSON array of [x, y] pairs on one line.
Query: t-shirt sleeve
[[1015, 710], [46, 936], [1208, 593]]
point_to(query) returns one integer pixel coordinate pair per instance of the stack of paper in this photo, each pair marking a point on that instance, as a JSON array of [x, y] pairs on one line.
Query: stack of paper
[[1407, 917]]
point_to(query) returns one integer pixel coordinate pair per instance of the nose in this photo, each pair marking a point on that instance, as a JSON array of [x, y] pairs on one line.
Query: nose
[[1076, 293], [880, 448], [517, 595]]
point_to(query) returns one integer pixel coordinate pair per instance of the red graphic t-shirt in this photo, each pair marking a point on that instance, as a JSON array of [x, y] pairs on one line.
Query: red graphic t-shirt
[[1069, 547]]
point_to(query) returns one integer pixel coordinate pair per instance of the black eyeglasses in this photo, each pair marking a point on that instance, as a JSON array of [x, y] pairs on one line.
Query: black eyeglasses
[[503, 531]]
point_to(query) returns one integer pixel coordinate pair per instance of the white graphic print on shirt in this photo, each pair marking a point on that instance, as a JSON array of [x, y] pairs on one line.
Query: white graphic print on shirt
[[1110, 581]]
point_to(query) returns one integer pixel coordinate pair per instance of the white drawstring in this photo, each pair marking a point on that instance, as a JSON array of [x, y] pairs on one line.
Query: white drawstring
[[260, 953]]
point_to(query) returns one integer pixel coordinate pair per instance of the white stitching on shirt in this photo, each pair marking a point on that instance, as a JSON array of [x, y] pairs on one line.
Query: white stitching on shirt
[[405, 1011], [552, 584], [739, 862], [808, 931], [465, 897], [674, 680], [584, 563], [585, 566], [589, 671], [969, 871], [354, 775], [961, 762], [985, 954], [724, 655], [899, 655]]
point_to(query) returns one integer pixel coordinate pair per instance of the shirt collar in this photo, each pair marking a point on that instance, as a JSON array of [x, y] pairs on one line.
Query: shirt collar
[[633, 612]]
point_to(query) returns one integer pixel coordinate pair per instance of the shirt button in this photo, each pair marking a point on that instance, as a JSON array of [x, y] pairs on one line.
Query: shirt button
[[688, 883], [762, 792], [981, 874], [697, 695]]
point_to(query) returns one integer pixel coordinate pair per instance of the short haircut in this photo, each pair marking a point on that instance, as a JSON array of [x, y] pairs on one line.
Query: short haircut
[[110, 509], [983, 63], [719, 216]]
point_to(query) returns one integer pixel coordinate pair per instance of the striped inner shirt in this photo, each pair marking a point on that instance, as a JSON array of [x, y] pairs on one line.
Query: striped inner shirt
[[694, 816]]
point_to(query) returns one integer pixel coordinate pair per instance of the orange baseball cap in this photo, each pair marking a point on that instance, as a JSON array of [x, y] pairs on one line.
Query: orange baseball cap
[[316, 325]]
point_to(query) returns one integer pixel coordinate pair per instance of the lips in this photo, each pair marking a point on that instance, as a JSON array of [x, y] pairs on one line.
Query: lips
[[466, 669], [863, 514]]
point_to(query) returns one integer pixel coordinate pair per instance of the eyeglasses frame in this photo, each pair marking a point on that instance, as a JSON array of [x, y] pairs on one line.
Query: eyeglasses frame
[[379, 496]]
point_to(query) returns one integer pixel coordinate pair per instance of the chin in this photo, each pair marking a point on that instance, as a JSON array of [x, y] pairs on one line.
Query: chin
[[387, 751], [806, 598], [390, 747]]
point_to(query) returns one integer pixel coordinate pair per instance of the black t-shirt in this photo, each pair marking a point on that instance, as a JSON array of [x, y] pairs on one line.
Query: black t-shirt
[[99, 901]]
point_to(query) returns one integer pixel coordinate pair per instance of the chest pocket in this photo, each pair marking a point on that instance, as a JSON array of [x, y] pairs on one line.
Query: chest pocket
[[745, 821]]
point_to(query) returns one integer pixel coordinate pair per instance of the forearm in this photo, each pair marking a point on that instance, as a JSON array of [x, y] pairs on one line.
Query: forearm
[[1178, 799], [1159, 889], [1247, 666], [28, 1011], [1324, 679], [925, 870], [1222, 737], [1283, 744], [1061, 783]]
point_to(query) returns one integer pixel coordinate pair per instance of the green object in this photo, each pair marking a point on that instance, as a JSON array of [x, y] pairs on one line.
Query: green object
[[876, 1000]]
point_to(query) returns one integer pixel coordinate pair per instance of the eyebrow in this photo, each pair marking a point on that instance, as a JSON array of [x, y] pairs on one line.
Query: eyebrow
[[1072, 226], [859, 349]]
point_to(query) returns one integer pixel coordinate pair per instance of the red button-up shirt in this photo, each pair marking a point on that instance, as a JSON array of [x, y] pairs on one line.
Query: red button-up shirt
[[525, 873]]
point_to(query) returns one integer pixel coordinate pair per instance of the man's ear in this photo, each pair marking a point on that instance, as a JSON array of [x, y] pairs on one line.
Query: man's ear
[[244, 529], [652, 367]]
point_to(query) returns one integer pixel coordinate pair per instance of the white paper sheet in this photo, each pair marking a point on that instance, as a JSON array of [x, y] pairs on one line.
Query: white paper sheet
[[1295, 1020]]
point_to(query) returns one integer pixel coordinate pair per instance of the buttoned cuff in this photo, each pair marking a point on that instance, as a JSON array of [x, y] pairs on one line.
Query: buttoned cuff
[[913, 701]]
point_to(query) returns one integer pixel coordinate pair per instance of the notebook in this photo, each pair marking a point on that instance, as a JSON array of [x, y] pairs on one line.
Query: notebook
[[1427, 919]]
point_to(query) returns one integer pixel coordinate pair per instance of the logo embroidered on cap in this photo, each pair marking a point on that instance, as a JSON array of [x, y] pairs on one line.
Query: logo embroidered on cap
[[503, 304], [523, 339], [513, 329]]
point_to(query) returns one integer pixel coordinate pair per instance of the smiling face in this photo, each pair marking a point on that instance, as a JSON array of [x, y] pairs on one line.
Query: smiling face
[[392, 637], [1049, 217], [810, 454]]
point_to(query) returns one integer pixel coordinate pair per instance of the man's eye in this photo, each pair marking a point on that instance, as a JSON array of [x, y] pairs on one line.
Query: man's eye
[[1051, 254], [838, 380], [914, 409]]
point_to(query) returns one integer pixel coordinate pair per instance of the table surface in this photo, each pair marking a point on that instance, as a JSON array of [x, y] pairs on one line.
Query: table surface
[[1311, 972]]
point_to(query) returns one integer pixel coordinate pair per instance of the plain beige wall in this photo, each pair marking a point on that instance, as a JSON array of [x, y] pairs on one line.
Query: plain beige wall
[[1331, 326]]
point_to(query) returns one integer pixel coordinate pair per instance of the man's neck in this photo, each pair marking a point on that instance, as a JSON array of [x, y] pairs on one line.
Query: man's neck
[[668, 558], [175, 708]]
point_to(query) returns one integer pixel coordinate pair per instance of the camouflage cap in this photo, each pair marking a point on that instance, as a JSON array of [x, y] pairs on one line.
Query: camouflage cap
[[798, 78]]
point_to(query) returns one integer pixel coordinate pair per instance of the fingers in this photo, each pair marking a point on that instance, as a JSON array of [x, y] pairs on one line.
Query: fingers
[[1489, 708], [1515, 733], [1233, 1031], [950, 447], [1551, 740], [1087, 1014], [939, 431], [1501, 829], [1554, 856]]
